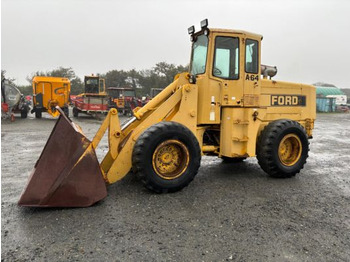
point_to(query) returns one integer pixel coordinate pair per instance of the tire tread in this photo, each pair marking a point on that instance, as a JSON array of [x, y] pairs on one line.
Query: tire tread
[[266, 142], [141, 145]]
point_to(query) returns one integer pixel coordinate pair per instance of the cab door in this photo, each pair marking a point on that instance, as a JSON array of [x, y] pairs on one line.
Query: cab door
[[102, 86], [226, 69], [225, 82]]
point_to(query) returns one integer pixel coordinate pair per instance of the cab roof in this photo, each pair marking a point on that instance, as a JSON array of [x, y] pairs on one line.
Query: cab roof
[[120, 88], [234, 31]]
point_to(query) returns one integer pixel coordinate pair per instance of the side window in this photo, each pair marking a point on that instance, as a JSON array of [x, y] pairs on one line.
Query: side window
[[199, 55], [101, 85], [226, 57], [251, 56]]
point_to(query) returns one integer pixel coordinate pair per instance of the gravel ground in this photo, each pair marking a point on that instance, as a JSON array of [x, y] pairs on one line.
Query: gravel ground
[[229, 212]]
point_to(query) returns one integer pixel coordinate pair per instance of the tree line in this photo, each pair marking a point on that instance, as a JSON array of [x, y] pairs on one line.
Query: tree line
[[159, 76]]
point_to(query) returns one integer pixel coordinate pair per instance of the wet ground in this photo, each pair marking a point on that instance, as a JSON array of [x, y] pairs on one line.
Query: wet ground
[[229, 212]]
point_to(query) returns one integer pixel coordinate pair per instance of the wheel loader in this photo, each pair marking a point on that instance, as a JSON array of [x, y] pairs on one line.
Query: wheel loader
[[227, 105]]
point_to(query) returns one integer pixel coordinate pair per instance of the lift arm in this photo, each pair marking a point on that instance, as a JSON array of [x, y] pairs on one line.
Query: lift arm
[[177, 102]]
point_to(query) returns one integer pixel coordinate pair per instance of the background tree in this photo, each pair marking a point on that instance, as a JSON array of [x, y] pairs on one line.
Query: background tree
[[3, 76], [148, 79], [116, 78], [168, 71], [77, 86], [323, 84], [160, 76]]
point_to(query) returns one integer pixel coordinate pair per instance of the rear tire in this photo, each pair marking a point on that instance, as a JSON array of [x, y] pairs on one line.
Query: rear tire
[[166, 157], [24, 113], [75, 112], [66, 111], [38, 113], [282, 148]]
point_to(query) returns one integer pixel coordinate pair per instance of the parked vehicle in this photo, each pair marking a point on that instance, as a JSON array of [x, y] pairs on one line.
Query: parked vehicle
[[49, 92], [123, 99], [94, 100], [13, 101]]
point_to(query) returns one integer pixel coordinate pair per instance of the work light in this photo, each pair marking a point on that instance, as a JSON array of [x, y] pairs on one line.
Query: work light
[[204, 23], [191, 30]]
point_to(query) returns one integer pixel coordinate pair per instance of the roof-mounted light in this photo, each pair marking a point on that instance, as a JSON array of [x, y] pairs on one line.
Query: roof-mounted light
[[204, 23], [191, 30]]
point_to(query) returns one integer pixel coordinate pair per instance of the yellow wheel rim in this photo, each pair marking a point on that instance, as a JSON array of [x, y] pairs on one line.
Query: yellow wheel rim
[[170, 159], [289, 150]]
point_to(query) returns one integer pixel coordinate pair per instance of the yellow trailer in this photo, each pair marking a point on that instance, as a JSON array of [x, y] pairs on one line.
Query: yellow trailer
[[49, 92], [227, 105]]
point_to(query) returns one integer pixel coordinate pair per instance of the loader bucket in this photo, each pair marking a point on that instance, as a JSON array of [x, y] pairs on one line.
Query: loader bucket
[[67, 173]]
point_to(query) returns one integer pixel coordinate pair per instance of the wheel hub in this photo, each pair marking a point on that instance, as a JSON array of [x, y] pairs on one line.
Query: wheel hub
[[170, 159], [289, 150]]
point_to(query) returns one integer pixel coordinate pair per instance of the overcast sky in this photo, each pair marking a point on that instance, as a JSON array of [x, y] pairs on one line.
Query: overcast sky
[[308, 40]]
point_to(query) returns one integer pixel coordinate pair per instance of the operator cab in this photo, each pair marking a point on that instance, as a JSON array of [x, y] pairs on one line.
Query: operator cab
[[94, 85], [223, 48], [226, 64]]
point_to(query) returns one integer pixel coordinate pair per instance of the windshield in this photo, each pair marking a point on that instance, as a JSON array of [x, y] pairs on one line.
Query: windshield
[[199, 55], [113, 93], [91, 85], [116, 93], [129, 93]]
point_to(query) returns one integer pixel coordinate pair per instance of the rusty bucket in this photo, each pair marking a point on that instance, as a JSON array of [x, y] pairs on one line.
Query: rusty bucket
[[67, 173]]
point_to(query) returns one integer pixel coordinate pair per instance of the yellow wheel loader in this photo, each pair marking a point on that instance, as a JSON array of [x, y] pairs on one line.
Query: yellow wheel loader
[[227, 105]]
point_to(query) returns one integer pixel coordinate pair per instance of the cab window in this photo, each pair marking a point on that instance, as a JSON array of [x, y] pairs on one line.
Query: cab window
[[199, 55], [226, 57], [251, 56], [101, 85]]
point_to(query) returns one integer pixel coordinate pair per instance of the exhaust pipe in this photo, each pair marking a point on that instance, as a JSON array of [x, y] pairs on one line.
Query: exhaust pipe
[[270, 71]]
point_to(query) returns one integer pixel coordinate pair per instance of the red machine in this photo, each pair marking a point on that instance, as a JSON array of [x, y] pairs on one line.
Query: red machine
[[123, 99], [94, 99]]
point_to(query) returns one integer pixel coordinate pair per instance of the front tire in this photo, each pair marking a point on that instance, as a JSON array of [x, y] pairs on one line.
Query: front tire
[[38, 113], [166, 157], [75, 112], [282, 148]]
